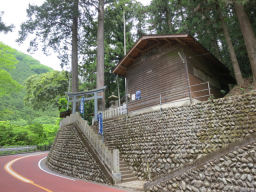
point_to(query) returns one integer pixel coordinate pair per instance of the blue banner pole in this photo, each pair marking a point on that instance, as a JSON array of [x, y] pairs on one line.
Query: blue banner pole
[[82, 106], [100, 123]]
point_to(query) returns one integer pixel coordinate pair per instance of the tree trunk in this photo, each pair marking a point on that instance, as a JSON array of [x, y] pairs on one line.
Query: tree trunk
[[100, 52], [168, 17], [248, 34], [74, 48], [237, 71]]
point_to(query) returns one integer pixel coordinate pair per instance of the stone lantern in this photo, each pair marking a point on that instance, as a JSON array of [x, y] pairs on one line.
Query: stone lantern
[[113, 101]]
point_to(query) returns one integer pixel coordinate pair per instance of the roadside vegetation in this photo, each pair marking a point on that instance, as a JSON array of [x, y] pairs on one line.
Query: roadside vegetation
[[29, 93]]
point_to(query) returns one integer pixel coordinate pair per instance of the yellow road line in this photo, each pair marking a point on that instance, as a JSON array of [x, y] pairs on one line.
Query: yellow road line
[[8, 169]]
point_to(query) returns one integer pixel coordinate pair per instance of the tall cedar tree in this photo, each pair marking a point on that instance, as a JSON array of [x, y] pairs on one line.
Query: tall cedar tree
[[248, 34], [100, 52], [74, 60], [55, 25], [235, 64], [200, 19]]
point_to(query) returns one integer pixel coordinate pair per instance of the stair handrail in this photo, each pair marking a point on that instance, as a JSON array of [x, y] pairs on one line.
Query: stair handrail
[[109, 157]]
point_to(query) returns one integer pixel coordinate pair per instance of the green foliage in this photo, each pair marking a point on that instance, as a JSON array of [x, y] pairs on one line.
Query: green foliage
[[26, 67], [20, 124], [38, 69], [31, 134], [7, 58], [15, 67], [162, 16], [6, 134], [51, 25], [7, 83], [45, 89], [201, 20], [62, 104], [7, 61]]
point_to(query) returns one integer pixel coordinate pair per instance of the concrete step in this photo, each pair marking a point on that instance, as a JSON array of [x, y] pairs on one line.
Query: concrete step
[[129, 179], [124, 166], [128, 175], [122, 163], [133, 185], [126, 171]]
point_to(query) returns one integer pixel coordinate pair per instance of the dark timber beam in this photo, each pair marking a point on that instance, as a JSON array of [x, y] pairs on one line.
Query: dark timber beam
[[156, 40], [167, 40], [180, 41], [170, 41], [139, 50], [123, 67], [131, 58], [152, 46]]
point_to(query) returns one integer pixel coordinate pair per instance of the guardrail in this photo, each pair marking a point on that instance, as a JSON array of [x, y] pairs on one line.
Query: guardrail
[[19, 148], [110, 158]]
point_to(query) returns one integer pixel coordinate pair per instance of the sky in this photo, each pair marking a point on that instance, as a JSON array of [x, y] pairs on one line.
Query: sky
[[15, 13]]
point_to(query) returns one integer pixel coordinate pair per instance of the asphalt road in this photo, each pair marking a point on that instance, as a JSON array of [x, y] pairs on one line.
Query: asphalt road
[[21, 173]]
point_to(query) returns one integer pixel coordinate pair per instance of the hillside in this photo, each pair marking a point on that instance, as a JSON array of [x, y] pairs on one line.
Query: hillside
[[20, 124], [12, 106], [26, 67]]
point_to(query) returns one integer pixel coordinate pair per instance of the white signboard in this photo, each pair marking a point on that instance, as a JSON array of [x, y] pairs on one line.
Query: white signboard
[[133, 97]]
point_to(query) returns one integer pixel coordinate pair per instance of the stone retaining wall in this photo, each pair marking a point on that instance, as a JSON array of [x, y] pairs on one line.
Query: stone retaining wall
[[70, 155], [236, 171], [157, 143]]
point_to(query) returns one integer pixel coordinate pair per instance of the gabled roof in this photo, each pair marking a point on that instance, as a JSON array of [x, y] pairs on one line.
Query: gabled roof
[[148, 42]]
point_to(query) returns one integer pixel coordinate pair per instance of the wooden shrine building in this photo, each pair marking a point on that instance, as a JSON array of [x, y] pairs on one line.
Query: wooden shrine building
[[169, 69]]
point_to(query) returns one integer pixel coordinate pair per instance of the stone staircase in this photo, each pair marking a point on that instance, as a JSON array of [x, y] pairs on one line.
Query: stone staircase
[[127, 173]]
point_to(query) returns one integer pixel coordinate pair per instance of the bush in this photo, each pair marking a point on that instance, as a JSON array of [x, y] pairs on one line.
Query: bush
[[31, 134]]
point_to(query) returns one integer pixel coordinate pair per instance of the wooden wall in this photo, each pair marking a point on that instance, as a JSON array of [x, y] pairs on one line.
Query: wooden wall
[[201, 71], [154, 73], [200, 91], [161, 71]]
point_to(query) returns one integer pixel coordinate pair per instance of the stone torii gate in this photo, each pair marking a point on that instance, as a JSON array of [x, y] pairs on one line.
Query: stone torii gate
[[73, 97]]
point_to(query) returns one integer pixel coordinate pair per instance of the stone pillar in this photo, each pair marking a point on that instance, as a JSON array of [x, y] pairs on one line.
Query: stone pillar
[[116, 170], [116, 160]]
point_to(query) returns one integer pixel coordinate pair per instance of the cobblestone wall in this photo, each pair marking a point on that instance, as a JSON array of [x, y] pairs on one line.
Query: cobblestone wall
[[157, 143], [235, 171], [70, 156]]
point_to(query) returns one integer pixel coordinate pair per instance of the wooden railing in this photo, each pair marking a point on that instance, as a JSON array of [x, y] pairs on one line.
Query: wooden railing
[[110, 158]]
